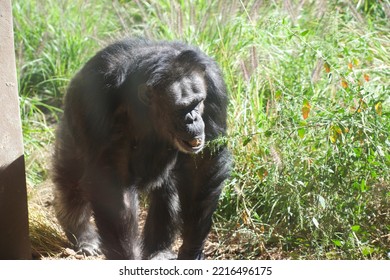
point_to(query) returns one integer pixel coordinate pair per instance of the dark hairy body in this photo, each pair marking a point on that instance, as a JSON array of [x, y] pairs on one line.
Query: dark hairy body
[[137, 118]]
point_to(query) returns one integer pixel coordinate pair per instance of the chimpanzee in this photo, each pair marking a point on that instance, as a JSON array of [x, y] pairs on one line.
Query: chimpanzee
[[139, 117]]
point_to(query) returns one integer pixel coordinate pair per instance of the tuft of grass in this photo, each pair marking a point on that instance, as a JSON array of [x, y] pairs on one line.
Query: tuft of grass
[[47, 240], [308, 115]]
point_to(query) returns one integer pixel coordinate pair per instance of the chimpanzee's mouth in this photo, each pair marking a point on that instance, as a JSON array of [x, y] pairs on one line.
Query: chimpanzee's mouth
[[190, 146]]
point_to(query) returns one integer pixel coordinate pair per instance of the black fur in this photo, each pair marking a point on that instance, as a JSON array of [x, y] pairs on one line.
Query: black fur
[[138, 117]]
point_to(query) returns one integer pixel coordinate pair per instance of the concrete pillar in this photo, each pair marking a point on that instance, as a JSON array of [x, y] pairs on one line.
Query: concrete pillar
[[14, 236]]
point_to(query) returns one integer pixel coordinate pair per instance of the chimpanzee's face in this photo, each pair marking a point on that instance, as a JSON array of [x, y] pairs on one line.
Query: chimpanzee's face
[[177, 110]]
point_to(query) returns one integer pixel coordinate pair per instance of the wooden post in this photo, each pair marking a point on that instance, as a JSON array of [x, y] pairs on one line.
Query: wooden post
[[14, 235]]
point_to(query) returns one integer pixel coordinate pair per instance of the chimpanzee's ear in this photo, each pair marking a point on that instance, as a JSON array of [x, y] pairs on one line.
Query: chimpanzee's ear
[[144, 94]]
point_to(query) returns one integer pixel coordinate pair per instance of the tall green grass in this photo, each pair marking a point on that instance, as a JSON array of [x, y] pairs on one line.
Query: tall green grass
[[308, 116]]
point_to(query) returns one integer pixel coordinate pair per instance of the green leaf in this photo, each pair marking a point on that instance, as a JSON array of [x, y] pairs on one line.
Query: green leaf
[[301, 132], [338, 243], [355, 228], [304, 33], [363, 186], [358, 152], [246, 140], [367, 250]]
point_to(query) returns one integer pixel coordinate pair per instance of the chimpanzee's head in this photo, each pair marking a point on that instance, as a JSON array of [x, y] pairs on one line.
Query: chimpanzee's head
[[176, 101]]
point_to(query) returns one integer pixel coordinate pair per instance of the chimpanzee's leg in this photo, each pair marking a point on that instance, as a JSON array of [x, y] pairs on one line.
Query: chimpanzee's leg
[[71, 205], [115, 209], [200, 184], [162, 222]]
